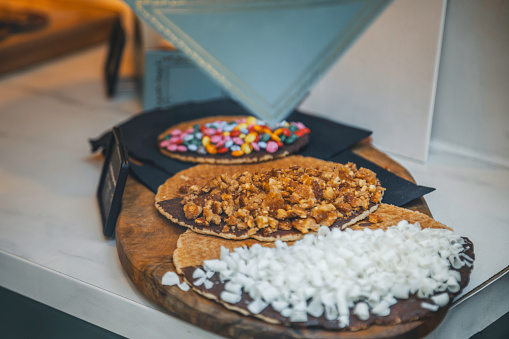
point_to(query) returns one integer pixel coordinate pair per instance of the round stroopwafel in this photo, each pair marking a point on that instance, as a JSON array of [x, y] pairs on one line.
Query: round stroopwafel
[[227, 158], [200, 174], [193, 249]]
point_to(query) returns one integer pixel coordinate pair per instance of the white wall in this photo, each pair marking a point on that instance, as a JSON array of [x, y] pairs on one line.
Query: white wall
[[386, 81], [472, 101]]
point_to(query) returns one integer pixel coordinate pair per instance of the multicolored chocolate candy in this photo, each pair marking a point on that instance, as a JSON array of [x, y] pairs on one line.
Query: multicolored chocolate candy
[[229, 140]]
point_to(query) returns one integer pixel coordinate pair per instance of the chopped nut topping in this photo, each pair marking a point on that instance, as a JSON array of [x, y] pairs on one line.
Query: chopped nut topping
[[282, 199], [192, 210], [375, 218]]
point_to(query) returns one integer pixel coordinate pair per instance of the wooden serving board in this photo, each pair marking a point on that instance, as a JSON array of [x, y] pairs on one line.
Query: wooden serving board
[[146, 241]]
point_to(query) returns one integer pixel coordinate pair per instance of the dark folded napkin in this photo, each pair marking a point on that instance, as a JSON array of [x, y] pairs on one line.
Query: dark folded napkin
[[151, 177]]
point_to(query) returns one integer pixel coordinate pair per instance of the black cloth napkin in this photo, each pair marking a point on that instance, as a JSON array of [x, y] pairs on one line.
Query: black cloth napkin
[[150, 176], [398, 190], [140, 133]]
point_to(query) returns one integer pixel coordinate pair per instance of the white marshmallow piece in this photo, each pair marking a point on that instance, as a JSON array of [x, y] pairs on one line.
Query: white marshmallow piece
[[170, 279]]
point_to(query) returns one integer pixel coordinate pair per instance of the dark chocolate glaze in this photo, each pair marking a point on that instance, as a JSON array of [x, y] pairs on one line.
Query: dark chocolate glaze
[[405, 310], [175, 208], [254, 156]]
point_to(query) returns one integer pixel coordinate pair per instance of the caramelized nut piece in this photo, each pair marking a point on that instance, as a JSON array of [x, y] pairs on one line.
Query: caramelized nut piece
[[304, 225], [262, 221], [191, 210], [202, 222], [268, 230], [228, 207], [184, 188], [242, 212], [232, 221], [194, 189], [242, 225], [328, 194], [320, 213], [375, 218], [282, 214], [285, 225], [343, 207]]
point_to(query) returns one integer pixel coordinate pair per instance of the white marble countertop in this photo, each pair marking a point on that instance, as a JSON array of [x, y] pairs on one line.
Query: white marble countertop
[[51, 244]]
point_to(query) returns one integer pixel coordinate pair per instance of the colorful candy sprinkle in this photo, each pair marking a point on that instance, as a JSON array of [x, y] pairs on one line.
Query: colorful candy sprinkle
[[205, 140], [238, 137], [238, 141], [265, 137], [251, 120], [272, 147], [246, 148], [228, 143], [211, 149], [275, 138], [251, 137]]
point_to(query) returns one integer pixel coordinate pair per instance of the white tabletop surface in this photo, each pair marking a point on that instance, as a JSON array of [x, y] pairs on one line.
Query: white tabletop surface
[[51, 244]]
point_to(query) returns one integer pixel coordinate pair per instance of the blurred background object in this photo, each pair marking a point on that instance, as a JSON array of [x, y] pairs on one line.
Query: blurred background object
[[35, 31], [20, 20]]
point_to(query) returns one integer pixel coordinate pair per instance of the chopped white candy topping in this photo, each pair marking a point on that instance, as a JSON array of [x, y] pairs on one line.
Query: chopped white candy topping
[[286, 312], [257, 306], [199, 281], [315, 307], [215, 265], [452, 285], [233, 287], [170, 279], [361, 310], [208, 284], [298, 316], [184, 286], [440, 299], [198, 273], [336, 271], [229, 297], [429, 306]]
